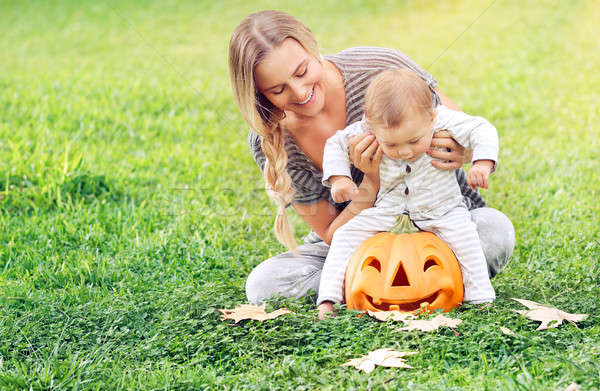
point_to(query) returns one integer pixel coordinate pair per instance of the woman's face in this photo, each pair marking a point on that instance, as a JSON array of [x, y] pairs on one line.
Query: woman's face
[[291, 79]]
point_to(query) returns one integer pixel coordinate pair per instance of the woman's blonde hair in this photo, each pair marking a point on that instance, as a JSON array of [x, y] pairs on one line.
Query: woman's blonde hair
[[395, 94], [252, 40]]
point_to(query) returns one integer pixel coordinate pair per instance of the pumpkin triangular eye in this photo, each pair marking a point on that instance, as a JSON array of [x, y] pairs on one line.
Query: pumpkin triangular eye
[[429, 263], [373, 262], [400, 279]]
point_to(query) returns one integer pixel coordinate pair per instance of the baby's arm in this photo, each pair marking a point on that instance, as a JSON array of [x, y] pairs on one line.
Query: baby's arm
[[342, 188], [476, 133], [336, 162], [479, 172]]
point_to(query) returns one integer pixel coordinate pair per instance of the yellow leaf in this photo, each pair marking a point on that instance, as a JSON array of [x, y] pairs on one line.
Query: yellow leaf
[[506, 330], [384, 316], [383, 357], [549, 316], [248, 311], [430, 325]]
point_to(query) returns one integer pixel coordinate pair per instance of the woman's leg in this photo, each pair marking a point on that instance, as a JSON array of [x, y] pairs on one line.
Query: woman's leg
[[497, 236], [288, 274], [293, 275]]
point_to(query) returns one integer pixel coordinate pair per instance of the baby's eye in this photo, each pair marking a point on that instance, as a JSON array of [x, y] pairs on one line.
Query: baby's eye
[[415, 141], [390, 145]]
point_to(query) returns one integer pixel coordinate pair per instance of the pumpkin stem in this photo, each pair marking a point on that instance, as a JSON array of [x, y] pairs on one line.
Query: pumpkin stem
[[403, 226]]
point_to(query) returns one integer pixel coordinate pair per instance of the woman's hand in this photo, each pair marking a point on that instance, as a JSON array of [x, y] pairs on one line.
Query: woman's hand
[[365, 153], [452, 156]]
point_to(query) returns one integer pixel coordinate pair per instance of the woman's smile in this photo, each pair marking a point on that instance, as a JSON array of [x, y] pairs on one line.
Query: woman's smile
[[292, 79], [312, 92]]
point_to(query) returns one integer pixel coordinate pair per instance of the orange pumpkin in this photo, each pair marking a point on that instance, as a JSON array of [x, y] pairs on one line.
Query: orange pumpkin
[[401, 270]]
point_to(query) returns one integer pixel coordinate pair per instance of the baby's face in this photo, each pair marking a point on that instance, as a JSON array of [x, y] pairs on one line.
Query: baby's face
[[408, 141]]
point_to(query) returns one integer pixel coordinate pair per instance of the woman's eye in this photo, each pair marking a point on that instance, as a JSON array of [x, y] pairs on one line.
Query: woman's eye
[[278, 91], [303, 72]]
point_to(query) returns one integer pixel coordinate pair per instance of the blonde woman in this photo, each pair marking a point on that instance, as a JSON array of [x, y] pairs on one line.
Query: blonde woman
[[294, 100]]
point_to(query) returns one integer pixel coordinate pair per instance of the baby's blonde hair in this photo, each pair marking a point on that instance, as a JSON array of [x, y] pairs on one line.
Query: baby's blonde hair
[[395, 94], [252, 40]]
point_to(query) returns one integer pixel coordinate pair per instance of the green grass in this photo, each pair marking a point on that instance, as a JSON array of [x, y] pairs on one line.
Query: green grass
[[130, 208]]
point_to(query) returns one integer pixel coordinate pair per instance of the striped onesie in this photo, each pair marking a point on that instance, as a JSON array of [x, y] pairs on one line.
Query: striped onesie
[[432, 198]]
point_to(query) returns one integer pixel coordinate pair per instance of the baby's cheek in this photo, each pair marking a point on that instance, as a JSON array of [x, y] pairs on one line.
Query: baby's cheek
[[422, 149]]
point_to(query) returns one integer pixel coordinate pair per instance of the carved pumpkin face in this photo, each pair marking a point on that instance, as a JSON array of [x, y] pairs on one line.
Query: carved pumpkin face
[[400, 272]]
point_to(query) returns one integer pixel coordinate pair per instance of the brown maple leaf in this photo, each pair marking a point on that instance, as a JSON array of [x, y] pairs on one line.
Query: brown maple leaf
[[549, 316], [383, 357], [430, 325], [384, 316], [248, 311]]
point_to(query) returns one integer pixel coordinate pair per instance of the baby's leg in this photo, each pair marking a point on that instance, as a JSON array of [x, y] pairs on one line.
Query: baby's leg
[[345, 241], [460, 233]]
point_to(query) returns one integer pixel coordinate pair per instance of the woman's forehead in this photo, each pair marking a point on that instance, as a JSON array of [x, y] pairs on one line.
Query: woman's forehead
[[279, 64]]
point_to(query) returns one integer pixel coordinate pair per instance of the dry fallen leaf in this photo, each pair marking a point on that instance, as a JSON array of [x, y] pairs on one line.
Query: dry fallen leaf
[[390, 315], [248, 311], [572, 387], [383, 357], [506, 330], [549, 316], [430, 325]]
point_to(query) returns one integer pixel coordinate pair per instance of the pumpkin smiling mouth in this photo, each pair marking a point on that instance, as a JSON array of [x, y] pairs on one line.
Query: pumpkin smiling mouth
[[402, 306]]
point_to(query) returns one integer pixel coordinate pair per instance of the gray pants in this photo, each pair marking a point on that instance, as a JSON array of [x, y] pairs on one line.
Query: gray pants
[[293, 275]]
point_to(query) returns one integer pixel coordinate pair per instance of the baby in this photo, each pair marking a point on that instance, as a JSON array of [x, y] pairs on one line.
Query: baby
[[399, 112]]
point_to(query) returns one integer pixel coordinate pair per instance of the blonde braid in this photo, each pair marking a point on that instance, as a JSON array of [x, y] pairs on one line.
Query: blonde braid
[[252, 40], [279, 184]]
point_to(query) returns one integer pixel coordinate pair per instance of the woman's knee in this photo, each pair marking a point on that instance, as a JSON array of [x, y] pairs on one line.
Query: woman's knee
[[287, 274], [497, 236], [259, 282]]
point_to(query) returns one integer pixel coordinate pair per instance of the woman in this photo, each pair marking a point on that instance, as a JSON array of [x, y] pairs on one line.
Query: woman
[[294, 100]]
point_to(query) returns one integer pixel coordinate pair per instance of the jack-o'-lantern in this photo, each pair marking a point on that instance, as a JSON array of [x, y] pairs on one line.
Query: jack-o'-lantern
[[403, 269]]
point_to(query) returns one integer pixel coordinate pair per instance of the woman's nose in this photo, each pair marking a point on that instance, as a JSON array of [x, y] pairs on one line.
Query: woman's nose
[[299, 90]]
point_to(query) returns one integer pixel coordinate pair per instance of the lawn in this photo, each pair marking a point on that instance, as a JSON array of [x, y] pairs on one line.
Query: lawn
[[131, 209]]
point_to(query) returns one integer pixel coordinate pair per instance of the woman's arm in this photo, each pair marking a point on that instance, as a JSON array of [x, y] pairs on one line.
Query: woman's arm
[[453, 155]]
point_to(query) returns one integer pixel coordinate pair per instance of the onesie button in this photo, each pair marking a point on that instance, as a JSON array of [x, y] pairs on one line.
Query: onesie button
[[406, 191], [408, 170]]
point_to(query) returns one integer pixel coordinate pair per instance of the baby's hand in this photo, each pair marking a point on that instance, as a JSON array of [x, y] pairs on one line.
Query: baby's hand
[[325, 308], [479, 173], [342, 188]]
